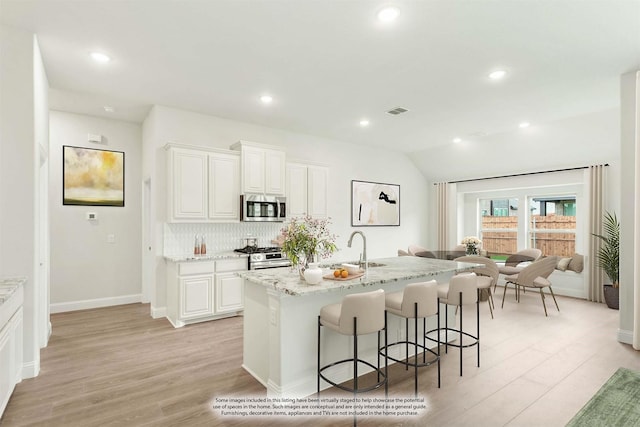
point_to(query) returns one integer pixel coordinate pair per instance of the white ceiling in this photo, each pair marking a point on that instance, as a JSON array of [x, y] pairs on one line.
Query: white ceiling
[[329, 63]]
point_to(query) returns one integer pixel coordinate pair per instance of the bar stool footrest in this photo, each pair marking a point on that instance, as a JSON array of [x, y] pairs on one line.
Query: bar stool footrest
[[360, 390]]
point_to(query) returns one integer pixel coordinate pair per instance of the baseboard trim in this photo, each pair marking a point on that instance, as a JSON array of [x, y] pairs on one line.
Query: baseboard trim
[[158, 312], [625, 336], [63, 307], [30, 369]]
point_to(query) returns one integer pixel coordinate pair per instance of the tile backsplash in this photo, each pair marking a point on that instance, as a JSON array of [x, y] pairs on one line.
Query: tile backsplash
[[179, 238]]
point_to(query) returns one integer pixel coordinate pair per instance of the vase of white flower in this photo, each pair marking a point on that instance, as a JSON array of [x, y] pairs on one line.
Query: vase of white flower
[[472, 245], [306, 240]]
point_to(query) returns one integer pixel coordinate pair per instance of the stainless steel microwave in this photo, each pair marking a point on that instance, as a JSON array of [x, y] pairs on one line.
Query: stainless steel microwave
[[258, 207]]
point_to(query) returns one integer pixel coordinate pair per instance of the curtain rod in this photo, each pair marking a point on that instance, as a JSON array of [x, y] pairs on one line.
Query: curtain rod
[[518, 174]]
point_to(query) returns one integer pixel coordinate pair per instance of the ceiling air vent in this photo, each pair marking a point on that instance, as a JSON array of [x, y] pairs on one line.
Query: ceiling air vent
[[397, 110]]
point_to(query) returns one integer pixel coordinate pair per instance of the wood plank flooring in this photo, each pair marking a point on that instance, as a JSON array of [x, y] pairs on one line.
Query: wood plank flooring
[[118, 366]]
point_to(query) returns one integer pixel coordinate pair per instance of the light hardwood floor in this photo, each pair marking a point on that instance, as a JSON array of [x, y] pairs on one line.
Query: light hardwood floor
[[117, 366]]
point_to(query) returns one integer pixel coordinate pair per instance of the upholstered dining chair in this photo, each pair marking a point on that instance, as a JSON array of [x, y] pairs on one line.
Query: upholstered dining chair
[[487, 275], [535, 276], [511, 263], [414, 249]]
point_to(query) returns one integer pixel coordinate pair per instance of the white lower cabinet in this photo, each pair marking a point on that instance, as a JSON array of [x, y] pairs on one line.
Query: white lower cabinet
[[196, 294], [199, 291], [229, 295], [11, 338]]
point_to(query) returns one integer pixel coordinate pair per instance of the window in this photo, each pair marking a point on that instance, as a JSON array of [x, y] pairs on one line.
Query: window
[[552, 225], [499, 225]]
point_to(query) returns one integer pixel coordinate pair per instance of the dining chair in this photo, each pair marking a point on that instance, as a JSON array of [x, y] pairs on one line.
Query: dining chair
[[414, 249], [535, 276]]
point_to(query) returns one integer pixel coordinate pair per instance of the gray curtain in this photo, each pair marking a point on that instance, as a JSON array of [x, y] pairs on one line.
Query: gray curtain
[[596, 210]]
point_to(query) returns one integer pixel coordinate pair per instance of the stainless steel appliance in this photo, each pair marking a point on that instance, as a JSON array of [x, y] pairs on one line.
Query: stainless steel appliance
[[258, 207], [260, 258]]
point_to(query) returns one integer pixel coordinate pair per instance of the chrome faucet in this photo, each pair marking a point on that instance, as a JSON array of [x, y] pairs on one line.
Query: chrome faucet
[[364, 248]]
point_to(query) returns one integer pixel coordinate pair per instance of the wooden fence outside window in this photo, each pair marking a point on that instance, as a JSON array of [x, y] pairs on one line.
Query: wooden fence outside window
[[553, 243]]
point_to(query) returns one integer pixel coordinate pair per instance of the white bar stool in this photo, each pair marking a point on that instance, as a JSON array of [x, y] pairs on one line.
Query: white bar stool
[[461, 290], [358, 314], [417, 300]]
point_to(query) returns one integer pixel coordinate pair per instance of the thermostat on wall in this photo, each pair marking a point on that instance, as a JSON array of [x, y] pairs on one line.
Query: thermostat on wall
[[92, 216], [93, 137]]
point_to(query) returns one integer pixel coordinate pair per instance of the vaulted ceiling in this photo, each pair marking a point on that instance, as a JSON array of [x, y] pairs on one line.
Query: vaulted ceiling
[[330, 64]]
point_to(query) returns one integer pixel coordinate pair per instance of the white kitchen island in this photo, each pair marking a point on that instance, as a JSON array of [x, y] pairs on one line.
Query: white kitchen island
[[281, 312]]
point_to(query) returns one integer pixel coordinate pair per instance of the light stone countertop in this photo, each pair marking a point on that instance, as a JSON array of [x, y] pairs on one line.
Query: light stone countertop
[[214, 256], [9, 286], [394, 269]]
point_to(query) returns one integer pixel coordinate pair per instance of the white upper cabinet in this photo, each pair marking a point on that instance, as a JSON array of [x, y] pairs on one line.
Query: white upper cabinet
[[204, 185], [307, 190], [224, 186], [263, 168], [187, 183], [296, 189], [317, 188]]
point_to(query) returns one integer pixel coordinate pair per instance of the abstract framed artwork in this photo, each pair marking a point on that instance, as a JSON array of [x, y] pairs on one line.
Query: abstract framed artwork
[[374, 204], [92, 177]]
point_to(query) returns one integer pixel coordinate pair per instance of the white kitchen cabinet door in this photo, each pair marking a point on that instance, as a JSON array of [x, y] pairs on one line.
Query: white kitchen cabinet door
[[196, 296], [296, 190], [274, 172], [252, 170], [224, 187], [188, 181], [317, 192], [229, 293]]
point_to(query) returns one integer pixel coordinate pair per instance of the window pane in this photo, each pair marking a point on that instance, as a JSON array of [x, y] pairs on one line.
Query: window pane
[[499, 225], [553, 224]]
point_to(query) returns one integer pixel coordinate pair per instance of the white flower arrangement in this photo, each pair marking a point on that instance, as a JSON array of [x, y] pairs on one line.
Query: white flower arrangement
[[471, 240]]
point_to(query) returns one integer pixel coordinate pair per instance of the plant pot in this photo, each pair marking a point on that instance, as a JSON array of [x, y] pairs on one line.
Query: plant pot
[[612, 296]]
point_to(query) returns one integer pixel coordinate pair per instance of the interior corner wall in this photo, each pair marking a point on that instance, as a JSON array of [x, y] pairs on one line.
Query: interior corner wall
[[86, 269], [345, 161], [17, 178]]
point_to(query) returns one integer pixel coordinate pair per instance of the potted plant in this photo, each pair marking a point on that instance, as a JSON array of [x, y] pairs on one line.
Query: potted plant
[[306, 239], [609, 258]]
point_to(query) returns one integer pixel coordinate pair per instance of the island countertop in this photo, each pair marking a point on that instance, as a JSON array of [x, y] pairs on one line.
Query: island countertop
[[393, 269]]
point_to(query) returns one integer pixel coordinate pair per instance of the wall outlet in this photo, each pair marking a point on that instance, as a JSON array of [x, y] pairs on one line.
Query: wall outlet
[[92, 216]]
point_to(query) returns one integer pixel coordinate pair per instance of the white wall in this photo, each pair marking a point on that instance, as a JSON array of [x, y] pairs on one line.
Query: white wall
[[86, 270], [346, 162], [23, 94]]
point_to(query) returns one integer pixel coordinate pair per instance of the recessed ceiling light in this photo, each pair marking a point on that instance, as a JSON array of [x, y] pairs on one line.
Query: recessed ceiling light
[[497, 74], [266, 99], [109, 109], [524, 125], [100, 57], [388, 14], [456, 140], [364, 122]]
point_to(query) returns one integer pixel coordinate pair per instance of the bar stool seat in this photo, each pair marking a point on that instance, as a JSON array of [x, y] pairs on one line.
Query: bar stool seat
[[461, 290], [357, 314], [417, 300]]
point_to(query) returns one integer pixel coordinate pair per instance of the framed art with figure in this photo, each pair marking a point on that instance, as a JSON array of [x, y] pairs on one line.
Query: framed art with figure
[[374, 204]]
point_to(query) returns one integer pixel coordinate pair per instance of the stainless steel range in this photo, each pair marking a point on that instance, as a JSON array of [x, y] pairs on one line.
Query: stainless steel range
[[269, 257]]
